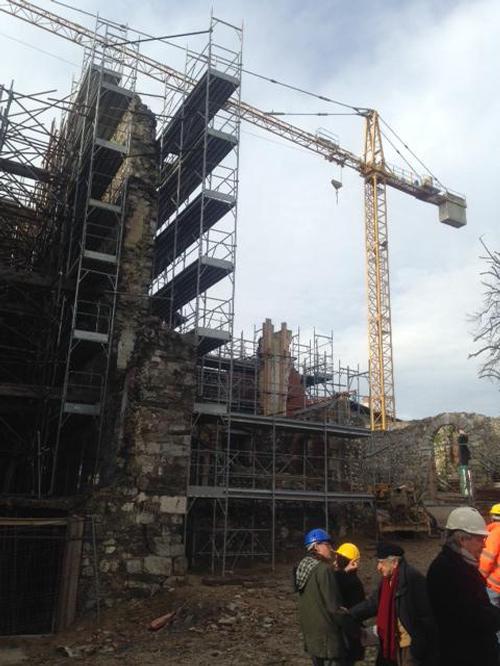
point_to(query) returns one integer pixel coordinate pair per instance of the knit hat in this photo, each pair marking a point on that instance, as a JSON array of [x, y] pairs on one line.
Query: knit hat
[[385, 549]]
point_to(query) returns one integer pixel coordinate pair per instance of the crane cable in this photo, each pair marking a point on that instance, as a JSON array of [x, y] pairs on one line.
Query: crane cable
[[357, 109], [412, 153], [393, 146]]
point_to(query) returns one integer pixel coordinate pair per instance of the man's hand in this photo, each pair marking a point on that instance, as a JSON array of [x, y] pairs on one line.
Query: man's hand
[[352, 566]]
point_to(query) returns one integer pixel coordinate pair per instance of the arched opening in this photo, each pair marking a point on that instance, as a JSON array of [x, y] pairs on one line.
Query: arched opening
[[445, 459]]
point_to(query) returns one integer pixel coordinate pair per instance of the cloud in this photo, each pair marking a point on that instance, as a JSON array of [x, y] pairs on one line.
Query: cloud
[[430, 68]]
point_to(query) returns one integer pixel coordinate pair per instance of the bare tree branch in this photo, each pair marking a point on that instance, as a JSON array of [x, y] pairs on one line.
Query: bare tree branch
[[487, 318]]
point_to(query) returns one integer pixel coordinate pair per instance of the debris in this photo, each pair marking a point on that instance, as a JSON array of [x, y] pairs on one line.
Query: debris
[[227, 620], [74, 653], [10, 656], [162, 621]]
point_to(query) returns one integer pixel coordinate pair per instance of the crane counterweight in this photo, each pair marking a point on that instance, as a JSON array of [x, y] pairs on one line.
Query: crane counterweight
[[452, 211]]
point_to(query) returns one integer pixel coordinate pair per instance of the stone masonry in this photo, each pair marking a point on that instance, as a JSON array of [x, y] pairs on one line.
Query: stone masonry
[[133, 539], [406, 454], [138, 517]]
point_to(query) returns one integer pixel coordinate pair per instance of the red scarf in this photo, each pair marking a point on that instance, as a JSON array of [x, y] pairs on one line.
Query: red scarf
[[386, 617]]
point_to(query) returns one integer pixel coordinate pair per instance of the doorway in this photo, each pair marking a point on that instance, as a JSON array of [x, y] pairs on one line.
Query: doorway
[[34, 575], [446, 459]]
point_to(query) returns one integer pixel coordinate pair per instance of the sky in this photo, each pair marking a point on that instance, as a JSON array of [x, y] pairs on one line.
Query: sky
[[430, 67]]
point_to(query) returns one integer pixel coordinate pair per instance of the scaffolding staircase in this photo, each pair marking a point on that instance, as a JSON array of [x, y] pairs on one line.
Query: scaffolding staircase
[[195, 246]]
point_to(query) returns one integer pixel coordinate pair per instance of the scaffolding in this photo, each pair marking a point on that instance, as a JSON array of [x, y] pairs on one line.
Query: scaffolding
[[270, 446], [62, 206], [193, 271], [26, 143], [283, 374], [273, 415], [62, 202], [29, 192], [97, 130]]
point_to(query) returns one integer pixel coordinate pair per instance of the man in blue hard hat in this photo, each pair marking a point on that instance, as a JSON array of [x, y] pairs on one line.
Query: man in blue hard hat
[[319, 599]]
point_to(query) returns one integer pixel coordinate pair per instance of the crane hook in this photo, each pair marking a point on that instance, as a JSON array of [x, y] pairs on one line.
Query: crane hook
[[336, 184]]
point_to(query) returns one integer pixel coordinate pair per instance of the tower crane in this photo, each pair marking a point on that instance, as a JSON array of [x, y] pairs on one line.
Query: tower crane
[[377, 175]]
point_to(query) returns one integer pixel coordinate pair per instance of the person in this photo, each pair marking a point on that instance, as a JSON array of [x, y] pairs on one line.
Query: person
[[489, 561], [347, 558], [464, 456], [466, 620], [318, 601], [405, 625]]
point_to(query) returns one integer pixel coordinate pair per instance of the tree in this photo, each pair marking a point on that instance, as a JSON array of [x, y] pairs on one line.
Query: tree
[[487, 319]]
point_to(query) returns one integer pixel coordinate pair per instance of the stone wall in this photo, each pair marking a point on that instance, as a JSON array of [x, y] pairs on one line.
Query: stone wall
[[140, 223], [407, 453], [135, 533]]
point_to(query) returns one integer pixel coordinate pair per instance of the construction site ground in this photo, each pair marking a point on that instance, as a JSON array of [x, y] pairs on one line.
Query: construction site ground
[[251, 622]]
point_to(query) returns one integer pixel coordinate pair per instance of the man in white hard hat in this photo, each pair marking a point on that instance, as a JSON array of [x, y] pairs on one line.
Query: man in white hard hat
[[467, 622]]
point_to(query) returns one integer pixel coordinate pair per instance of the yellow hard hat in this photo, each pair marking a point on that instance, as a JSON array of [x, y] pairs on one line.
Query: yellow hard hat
[[349, 550], [495, 510]]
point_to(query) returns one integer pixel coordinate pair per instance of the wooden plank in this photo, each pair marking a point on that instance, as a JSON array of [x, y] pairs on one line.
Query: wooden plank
[[70, 574]]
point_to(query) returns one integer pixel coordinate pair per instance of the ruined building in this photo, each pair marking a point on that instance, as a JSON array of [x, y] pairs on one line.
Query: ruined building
[[138, 436]]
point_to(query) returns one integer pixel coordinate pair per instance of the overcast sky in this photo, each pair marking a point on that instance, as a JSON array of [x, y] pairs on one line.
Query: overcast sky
[[431, 69]]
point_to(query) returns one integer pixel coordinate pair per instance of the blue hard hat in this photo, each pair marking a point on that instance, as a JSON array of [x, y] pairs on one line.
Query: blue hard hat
[[316, 536]]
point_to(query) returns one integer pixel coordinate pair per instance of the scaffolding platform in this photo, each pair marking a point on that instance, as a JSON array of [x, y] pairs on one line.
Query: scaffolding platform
[[114, 103], [278, 494], [25, 171], [102, 233], [185, 174], [210, 339], [184, 286], [242, 365], [112, 106], [82, 408], [197, 217], [192, 115], [108, 157], [298, 425]]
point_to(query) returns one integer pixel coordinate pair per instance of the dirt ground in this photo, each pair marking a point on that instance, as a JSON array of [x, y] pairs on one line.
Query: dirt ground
[[254, 622]]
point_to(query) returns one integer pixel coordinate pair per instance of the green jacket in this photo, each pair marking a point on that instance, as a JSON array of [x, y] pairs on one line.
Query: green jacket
[[319, 598]]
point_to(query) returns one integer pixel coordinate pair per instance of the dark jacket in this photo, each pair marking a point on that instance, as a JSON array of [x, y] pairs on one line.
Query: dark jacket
[[412, 609], [352, 593], [467, 622], [319, 599]]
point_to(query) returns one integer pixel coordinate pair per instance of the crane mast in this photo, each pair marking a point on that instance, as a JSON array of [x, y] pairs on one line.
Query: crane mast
[[373, 168], [380, 365]]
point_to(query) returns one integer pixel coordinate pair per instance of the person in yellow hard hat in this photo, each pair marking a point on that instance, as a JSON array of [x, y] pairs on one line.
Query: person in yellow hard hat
[[347, 558], [489, 562]]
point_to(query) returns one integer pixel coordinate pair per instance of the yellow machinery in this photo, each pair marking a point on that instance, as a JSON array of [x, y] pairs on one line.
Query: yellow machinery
[[398, 510]]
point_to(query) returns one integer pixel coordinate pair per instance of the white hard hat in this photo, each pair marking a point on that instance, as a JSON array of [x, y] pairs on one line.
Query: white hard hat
[[468, 520]]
